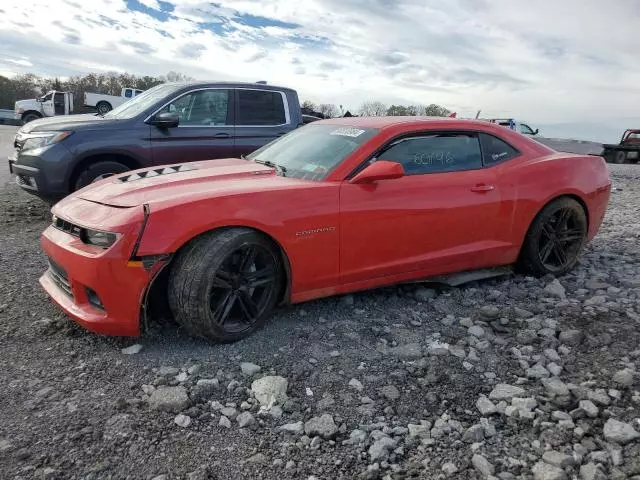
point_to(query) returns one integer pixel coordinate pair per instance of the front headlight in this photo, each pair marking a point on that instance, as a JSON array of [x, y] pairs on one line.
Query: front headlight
[[98, 238], [42, 139]]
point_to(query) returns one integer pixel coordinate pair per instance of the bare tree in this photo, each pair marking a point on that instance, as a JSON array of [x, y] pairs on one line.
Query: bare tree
[[328, 110], [373, 109], [308, 105], [176, 77]]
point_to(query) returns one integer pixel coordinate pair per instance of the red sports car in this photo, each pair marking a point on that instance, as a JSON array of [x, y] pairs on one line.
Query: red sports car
[[333, 207]]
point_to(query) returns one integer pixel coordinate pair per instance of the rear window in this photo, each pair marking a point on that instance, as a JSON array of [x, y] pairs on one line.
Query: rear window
[[260, 107], [495, 150]]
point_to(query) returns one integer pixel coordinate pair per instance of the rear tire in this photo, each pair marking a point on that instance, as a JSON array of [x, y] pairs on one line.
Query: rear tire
[[555, 238], [98, 171], [224, 284], [103, 107]]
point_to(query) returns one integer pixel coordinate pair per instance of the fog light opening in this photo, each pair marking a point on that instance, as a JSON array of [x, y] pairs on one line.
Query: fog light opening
[[93, 298]]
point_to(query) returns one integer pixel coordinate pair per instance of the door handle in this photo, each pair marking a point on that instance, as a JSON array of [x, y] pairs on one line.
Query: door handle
[[221, 135], [482, 188]]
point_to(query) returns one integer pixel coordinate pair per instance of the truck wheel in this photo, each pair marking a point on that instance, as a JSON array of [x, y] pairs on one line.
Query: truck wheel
[[223, 285], [30, 117], [98, 171], [103, 107], [621, 157], [555, 238]]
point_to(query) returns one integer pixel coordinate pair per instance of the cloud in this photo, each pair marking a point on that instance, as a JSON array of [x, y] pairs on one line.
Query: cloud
[[192, 50], [543, 63], [139, 47]]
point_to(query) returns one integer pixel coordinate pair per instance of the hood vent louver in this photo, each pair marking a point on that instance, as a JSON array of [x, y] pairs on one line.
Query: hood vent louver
[[155, 172]]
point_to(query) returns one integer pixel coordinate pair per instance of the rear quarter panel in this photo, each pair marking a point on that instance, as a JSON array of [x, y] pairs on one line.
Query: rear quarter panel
[[288, 215], [535, 182]]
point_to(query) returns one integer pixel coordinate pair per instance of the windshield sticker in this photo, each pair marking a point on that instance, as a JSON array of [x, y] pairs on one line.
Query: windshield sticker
[[348, 132]]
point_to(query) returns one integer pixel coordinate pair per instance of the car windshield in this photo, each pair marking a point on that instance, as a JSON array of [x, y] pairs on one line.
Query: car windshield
[[142, 102], [312, 151]]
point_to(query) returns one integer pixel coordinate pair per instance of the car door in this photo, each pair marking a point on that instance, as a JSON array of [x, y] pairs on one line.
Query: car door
[[261, 116], [47, 105], [444, 215], [205, 130]]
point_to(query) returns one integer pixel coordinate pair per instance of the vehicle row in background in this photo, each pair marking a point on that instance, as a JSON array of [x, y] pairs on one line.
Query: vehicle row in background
[[56, 102]]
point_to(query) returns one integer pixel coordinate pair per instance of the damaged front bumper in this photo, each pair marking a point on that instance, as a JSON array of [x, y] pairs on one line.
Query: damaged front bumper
[[103, 290]]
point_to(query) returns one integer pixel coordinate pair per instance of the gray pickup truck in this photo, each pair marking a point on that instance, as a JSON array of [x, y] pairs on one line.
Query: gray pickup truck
[[170, 123]]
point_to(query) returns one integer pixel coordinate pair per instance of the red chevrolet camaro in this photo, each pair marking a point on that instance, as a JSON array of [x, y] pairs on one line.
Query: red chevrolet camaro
[[335, 206]]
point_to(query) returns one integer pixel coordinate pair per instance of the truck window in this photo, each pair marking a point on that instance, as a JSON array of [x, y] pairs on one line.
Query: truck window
[[260, 107], [526, 129], [128, 93], [47, 97], [202, 107]]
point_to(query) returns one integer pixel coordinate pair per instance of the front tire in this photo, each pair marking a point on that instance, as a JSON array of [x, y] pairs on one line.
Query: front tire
[[99, 171], [30, 117], [224, 284], [555, 238]]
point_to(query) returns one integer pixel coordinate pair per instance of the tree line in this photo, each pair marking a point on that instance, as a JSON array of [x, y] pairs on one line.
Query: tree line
[[29, 85], [376, 109]]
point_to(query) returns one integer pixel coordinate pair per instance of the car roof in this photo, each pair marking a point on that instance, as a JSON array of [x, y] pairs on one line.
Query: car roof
[[261, 86], [387, 122]]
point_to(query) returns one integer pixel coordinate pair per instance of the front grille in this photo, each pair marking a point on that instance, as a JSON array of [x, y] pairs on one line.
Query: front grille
[[59, 276], [67, 227]]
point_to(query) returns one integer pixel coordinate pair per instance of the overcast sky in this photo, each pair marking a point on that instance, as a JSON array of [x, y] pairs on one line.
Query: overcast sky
[[569, 67]]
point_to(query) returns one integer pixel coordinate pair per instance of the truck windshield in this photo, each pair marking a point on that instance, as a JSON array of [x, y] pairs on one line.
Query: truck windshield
[[142, 102], [312, 151]]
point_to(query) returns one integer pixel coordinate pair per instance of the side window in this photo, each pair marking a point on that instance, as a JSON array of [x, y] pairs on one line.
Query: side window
[[201, 108], [495, 150], [446, 152], [47, 97], [260, 107], [128, 93]]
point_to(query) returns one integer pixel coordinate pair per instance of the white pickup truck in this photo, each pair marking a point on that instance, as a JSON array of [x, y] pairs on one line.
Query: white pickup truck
[[52, 103], [104, 103]]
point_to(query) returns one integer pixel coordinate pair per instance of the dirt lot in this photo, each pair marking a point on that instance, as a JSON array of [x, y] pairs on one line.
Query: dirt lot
[[512, 378]]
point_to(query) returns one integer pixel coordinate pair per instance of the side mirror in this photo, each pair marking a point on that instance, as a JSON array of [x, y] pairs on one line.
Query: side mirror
[[165, 120], [536, 131], [379, 170]]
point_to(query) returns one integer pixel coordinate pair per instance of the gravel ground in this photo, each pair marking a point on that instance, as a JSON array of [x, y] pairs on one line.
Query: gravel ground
[[514, 378]]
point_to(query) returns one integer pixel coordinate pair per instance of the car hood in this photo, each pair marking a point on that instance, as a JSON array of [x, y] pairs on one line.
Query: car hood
[[66, 122], [24, 103], [181, 183]]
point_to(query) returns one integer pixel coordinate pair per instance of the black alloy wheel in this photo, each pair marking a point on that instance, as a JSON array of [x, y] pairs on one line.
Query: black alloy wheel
[[561, 239], [555, 238], [223, 284], [242, 287]]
